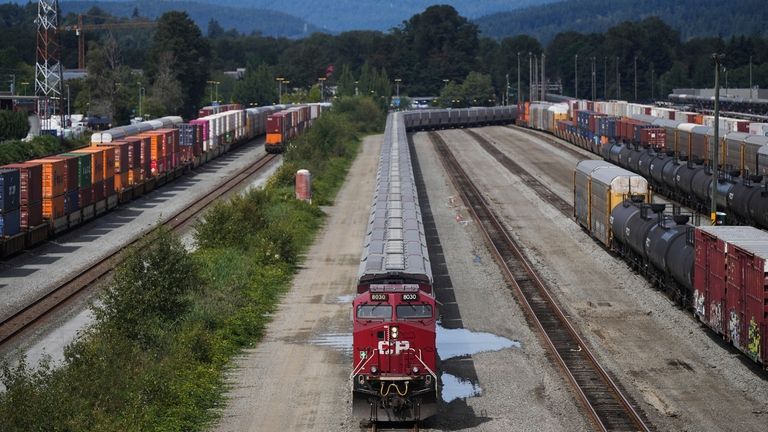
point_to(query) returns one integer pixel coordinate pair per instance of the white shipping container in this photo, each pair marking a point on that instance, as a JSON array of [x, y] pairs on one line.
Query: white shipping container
[[758, 129]]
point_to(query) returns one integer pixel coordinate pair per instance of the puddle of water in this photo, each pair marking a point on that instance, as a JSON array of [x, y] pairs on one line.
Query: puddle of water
[[462, 342], [345, 298], [339, 341], [458, 388]]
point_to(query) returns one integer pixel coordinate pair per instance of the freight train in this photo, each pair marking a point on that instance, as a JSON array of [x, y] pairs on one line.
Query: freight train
[[283, 126], [44, 197], [394, 366], [394, 313], [717, 272], [672, 149]]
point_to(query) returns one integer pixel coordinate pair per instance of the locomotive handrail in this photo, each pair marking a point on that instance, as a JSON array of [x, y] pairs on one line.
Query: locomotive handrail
[[434, 375], [362, 364]]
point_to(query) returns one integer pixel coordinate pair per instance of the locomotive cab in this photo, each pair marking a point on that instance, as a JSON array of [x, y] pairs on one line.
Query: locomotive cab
[[394, 354]]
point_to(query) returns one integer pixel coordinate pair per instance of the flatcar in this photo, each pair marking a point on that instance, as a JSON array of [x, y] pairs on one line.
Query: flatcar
[[394, 376]]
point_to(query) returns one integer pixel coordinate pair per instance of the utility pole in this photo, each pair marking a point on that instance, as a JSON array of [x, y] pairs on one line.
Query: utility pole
[[715, 160], [605, 78], [519, 94], [635, 78], [618, 80], [69, 113], [594, 80], [653, 77], [535, 91], [750, 78], [543, 79], [280, 89], [576, 76], [530, 77], [505, 101]]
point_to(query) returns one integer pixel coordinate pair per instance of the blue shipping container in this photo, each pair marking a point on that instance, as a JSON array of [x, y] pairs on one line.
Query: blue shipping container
[[72, 201], [10, 190], [10, 223]]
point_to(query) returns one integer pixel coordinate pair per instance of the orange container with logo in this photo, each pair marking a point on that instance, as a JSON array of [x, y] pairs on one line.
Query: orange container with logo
[[53, 207], [54, 177]]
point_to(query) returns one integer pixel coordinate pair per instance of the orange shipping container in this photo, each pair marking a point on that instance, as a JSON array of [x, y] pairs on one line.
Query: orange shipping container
[[134, 176], [53, 208], [54, 177], [122, 155], [122, 181]]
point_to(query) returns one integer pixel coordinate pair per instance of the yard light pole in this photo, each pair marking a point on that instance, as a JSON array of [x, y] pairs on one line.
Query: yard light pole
[[635, 78], [279, 89], [322, 88], [715, 160], [69, 113], [519, 94], [576, 76]]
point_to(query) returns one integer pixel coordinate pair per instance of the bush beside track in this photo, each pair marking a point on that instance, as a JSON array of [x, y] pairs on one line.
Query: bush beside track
[[13, 151], [171, 320]]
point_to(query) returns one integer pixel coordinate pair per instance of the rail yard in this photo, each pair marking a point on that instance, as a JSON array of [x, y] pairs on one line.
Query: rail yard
[[268, 225]]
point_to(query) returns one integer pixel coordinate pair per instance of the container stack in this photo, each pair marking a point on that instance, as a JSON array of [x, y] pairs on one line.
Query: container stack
[[110, 161], [97, 176], [30, 193], [54, 187], [71, 199], [121, 150], [10, 211], [157, 152]]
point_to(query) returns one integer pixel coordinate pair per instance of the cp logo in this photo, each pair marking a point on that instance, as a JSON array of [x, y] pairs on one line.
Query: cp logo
[[396, 347]]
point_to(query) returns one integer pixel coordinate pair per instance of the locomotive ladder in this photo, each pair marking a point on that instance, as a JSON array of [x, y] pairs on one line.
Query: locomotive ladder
[[605, 403]]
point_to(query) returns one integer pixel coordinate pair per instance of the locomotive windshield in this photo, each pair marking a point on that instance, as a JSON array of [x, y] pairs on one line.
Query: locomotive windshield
[[414, 311], [374, 312]]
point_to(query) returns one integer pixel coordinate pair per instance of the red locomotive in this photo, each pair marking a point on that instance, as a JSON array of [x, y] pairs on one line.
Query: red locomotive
[[394, 348], [285, 125]]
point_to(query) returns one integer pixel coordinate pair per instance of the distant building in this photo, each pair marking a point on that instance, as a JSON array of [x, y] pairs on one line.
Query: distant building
[[731, 94]]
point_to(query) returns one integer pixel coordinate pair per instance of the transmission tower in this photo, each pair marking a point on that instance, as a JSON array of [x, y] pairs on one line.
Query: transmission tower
[[48, 70]]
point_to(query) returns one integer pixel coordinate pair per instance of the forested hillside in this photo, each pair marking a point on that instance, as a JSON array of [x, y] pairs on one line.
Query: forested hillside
[[692, 18], [244, 20]]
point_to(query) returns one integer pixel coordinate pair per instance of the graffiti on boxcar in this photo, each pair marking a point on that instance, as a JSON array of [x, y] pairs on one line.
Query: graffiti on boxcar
[[716, 316], [754, 339], [733, 328], [698, 303]]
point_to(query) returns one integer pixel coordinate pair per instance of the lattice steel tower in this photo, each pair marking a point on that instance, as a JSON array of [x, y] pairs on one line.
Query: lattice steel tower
[[48, 69]]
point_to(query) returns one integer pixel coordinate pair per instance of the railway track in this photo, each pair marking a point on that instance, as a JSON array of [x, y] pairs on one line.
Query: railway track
[[555, 143], [513, 167], [605, 403], [69, 289]]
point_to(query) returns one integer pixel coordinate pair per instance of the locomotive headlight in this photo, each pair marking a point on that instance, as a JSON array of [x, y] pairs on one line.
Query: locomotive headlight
[[374, 370], [415, 370], [394, 332]]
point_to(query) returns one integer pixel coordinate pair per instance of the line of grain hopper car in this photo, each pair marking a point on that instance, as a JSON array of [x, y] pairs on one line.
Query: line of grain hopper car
[[671, 149], [459, 118], [718, 272], [43, 197]]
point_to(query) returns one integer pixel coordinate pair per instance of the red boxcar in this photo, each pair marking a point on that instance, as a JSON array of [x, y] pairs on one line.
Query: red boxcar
[[731, 285]]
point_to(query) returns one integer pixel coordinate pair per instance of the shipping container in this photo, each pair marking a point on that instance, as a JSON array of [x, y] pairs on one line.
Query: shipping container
[[84, 168], [86, 195], [54, 207], [72, 201], [10, 190], [31, 215], [122, 158], [10, 223], [98, 190], [54, 176], [30, 181], [96, 155]]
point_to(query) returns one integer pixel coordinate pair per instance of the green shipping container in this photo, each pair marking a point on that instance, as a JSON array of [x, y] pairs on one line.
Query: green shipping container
[[83, 169]]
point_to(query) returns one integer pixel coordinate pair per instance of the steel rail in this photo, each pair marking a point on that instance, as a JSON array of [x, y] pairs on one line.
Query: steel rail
[[67, 290], [605, 403]]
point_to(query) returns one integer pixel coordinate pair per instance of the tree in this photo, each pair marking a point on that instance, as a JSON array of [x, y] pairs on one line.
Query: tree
[[107, 82], [215, 30], [165, 96], [442, 45], [177, 34], [257, 86], [478, 90], [345, 86]]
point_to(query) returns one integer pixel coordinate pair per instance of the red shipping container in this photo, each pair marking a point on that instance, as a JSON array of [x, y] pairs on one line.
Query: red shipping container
[[31, 181], [146, 156], [134, 152], [98, 191], [31, 214], [86, 196], [653, 137], [109, 186]]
